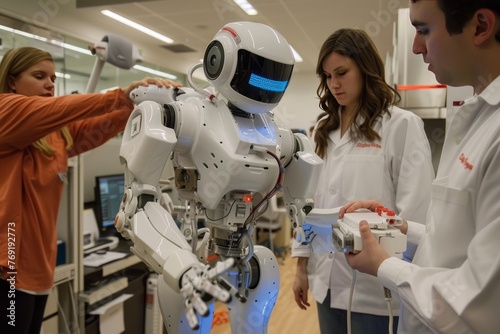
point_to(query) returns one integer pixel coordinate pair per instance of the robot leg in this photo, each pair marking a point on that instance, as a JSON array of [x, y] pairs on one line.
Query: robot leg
[[174, 312], [253, 315]]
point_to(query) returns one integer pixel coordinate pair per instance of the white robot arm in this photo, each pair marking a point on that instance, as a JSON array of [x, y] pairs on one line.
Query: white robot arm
[[302, 167], [117, 51], [229, 158]]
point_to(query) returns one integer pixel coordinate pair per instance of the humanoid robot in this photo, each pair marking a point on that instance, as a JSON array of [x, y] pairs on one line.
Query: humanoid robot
[[229, 156]]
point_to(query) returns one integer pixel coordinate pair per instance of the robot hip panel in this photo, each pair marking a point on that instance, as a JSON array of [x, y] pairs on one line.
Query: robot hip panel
[[253, 315]]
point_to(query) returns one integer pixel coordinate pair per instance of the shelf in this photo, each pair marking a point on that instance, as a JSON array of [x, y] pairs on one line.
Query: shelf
[[64, 273]]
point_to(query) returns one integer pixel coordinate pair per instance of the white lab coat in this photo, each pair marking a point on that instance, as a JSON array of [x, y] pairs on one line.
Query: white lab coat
[[398, 172], [453, 285]]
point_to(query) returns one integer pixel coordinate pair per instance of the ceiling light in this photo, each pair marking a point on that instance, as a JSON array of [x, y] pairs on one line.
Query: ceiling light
[[155, 72], [6, 28], [46, 40], [137, 26], [71, 47], [63, 75], [246, 6], [296, 55]]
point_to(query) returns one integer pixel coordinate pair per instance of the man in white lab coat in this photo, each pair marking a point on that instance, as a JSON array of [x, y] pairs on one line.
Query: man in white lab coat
[[453, 284]]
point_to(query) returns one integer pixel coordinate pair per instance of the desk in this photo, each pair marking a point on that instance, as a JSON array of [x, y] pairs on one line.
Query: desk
[[95, 274], [105, 283]]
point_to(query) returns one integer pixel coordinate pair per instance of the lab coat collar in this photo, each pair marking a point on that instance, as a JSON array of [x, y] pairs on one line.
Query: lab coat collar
[[335, 134], [491, 94]]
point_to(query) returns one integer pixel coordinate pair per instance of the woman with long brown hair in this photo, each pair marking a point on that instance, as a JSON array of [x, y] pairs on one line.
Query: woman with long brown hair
[[371, 150]]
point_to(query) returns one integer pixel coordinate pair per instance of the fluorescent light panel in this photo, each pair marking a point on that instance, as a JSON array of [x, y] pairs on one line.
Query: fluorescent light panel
[[137, 26], [155, 72], [63, 75], [46, 40], [246, 6], [71, 47]]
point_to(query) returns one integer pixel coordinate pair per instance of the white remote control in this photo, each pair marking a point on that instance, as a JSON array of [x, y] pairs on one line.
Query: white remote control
[[346, 236]]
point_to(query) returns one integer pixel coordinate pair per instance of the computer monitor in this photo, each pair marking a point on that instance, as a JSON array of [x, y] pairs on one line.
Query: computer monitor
[[108, 196]]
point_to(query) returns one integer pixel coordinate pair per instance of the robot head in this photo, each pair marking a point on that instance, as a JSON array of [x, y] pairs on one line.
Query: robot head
[[250, 64]]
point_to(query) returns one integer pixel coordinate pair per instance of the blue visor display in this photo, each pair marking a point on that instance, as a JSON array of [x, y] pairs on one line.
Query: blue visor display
[[267, 84], [260, 79]]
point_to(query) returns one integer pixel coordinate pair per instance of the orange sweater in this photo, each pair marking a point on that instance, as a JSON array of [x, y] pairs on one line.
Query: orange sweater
[[32, 182]]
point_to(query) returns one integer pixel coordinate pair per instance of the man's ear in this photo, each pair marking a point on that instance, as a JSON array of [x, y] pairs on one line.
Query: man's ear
[[486, 24]]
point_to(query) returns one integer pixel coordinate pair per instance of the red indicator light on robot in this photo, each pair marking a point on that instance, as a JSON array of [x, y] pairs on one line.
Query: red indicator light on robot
[[380, 209], [247, 198]]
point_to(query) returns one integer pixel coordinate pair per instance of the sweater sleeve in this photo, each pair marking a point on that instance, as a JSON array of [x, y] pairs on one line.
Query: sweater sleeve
[[25, 119], [93, 132]]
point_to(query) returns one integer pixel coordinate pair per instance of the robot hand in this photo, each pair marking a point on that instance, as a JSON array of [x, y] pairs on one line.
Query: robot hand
[[199, 282]]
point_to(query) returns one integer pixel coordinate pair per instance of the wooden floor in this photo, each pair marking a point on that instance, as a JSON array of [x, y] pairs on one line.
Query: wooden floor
[[287, 317]]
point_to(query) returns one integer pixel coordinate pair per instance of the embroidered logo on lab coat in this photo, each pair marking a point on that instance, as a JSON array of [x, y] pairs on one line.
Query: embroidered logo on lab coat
[[465, 161], [365, 145]]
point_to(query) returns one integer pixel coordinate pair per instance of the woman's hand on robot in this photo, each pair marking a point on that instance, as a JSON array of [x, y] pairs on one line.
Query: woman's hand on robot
[[150, 81]]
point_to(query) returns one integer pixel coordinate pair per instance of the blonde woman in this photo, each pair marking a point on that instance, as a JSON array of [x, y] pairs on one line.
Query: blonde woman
[[38, 133]]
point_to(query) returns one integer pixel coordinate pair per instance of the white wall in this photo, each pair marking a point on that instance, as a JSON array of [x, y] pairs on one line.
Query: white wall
[[299, 106]]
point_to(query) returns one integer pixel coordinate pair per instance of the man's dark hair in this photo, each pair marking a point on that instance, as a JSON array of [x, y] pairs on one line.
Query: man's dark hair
[[458, 12]]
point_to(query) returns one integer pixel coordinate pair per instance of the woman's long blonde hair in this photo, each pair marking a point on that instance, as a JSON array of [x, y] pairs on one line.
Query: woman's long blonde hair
[[16, 61]]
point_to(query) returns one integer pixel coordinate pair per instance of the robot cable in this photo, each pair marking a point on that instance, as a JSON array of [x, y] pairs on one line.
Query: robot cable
[[388, 298], [349, 305], [208, 95], [277, 186]]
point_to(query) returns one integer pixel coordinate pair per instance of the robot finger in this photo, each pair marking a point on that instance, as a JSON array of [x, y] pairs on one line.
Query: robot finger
[[216, 291], [199, 305], [191, 316], [220, 268], [229, 287]]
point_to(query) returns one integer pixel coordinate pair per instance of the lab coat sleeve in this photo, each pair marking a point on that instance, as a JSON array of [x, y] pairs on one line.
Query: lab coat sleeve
[[411, 165], [463, 299], [300, 250], [415, 231]]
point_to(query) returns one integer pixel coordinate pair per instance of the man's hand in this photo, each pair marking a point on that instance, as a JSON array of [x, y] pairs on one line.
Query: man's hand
[[371, 257]]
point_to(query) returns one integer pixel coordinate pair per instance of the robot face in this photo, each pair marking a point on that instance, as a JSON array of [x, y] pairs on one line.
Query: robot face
[[250, 64]]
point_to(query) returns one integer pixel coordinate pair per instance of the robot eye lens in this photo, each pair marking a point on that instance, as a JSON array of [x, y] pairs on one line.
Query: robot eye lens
[[213, 60]]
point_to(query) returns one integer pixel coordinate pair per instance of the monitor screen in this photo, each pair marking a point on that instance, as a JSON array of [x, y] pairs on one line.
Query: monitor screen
[[109, 193]]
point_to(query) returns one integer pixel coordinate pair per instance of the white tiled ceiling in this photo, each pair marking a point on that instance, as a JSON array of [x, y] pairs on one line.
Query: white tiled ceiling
[[193, 23]]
